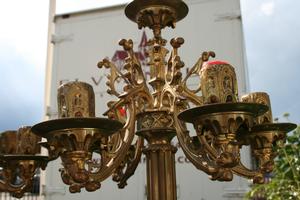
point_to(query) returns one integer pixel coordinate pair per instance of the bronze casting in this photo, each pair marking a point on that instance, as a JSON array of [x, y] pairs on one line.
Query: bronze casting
[[19, 159], [156, 110]]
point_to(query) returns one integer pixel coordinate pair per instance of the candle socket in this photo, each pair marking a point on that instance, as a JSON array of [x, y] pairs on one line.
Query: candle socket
[[76, 99], [261, 98], [27, 141], [8, 142], [218, 82]]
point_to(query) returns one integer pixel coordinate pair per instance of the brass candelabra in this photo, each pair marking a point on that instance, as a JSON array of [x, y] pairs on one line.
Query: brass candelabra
[[155, 110]]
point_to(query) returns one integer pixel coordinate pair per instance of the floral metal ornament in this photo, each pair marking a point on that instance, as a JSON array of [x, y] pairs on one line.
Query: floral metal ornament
[[155, 110], [19, 161]]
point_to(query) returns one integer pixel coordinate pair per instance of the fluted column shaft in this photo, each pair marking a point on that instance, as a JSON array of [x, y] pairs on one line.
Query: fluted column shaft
[[161, 175], [160, 161]]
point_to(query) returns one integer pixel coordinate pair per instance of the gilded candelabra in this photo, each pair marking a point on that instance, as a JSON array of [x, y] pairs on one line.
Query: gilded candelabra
[[155, 110]]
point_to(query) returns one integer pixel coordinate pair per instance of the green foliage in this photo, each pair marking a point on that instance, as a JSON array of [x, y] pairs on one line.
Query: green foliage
[[286, 181]]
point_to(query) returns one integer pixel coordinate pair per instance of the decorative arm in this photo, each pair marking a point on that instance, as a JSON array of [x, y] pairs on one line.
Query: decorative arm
[[188, 93], [113, 153], [198, 154], [196, 69], [16, 190], [129, 164], [256, 175], [135, 82], [113, 77], [19, 161], [111, 150], [25, 169]]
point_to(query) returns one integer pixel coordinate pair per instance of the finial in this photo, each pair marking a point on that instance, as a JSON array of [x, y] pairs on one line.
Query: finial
[[156, 14]]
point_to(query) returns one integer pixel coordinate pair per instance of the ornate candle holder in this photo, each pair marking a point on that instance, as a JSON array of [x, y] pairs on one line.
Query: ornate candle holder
[[217, 126], [223, 128], [218, 123], [155, 110], [19, 161], [73, 136], [265, 134]]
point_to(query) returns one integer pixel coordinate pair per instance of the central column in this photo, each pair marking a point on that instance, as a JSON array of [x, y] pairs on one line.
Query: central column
[[157, 128]]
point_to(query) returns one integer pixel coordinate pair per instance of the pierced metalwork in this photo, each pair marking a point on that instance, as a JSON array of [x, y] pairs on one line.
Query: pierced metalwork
[[19, 161], [155, 110]]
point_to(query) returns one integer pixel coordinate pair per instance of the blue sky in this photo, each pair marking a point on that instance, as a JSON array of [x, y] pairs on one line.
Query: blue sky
[[272, 37]]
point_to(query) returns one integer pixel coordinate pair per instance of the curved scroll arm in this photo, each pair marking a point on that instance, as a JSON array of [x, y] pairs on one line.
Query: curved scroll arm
[[256, 175], [112, 150], [16, 190], [24, 169], [239, 169], [211, 151], [184, 90], [135, 82], [111, 160], [115, 74], [202, 157], [195, 153], [197, 67], [129, 165], [135, 73]]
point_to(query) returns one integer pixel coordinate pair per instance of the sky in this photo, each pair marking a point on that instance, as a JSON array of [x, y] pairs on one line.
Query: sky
[[272, 39]]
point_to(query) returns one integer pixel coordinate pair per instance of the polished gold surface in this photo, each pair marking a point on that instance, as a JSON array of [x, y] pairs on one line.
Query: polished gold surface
[[280, 127], [252, 109], [219, 83], [22, 166], [217, 126], [156, 14], [27, 142], [264, 138], [160, 164], [158, 129], [45, 129], [76, 99], [261, 98], [220, 120], [76, 135], [265, 135], [19, 159], [155, 110]]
